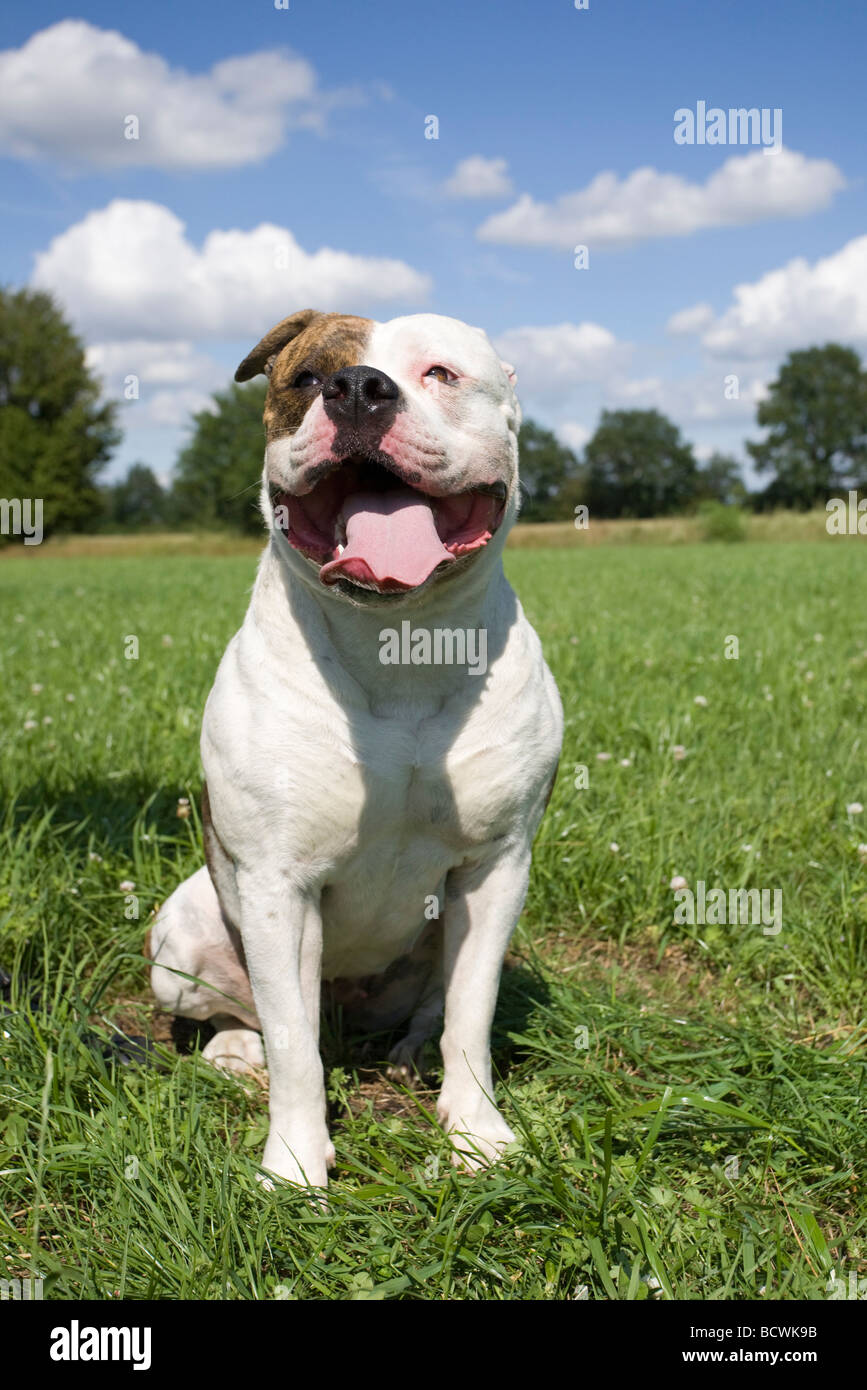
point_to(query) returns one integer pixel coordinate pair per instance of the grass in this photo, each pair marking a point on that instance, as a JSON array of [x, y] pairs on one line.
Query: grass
[[690, 1100]]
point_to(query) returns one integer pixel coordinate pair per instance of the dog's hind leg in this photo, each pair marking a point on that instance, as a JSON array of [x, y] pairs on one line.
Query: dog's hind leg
[[405, 1057], [410, 988], [192, 938]]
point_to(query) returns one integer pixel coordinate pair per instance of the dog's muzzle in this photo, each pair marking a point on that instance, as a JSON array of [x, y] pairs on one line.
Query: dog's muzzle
[[365, 524]]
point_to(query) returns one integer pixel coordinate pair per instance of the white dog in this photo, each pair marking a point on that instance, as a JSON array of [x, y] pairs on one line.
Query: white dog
[[382, 735]]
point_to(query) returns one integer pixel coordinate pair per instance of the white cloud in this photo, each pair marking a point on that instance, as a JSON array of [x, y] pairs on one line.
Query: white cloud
[[555, 356], [128, 271], [477, 177], [65, 94], [796, 306], [175, 409], [706, 396], [611, 213], [154, 363], [573, 434], [646, 390], [583, 368], [691, 320], [174, 380]]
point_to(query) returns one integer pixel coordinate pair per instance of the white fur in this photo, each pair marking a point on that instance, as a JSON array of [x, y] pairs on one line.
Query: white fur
[[348, 793]]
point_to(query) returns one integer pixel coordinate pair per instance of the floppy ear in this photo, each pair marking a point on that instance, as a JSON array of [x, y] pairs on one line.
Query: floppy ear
[[261, 359]]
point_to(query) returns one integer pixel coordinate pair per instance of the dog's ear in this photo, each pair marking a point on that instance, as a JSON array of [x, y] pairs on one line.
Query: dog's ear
[[261, 359]]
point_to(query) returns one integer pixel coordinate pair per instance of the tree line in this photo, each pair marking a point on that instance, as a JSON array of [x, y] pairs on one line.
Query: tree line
[[57, 435]]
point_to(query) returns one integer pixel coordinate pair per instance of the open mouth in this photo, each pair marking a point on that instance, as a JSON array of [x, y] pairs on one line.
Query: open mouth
[[363, 524]]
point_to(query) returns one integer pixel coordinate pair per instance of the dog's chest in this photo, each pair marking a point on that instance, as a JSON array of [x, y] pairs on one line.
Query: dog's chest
[[407, 782], [414, 809]]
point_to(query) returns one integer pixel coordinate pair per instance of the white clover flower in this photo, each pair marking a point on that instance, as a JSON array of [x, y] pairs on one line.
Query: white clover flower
[[700, 700], [126, 885], [36, 688], [30, 724], [678, 752], [614, 847], [854, 808], [678, 882], [603, 757]]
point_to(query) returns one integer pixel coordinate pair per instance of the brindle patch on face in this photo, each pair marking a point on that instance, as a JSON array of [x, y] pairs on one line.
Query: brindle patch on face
[[330, 342]]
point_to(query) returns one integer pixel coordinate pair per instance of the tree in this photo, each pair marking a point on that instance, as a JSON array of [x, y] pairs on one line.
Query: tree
[[54, 435], [546, 467], [137, 502], [217, 474], [638, 465], [816, 417], [720, 481]]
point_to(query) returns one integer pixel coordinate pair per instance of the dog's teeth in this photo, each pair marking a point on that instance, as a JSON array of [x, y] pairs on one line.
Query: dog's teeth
[[340, 549]]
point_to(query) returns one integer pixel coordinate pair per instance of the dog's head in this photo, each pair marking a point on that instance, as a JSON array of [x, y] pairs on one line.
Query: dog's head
[[391, 455]]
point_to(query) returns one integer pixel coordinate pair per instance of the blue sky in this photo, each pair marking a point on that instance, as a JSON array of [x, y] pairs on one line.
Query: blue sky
[[173, 253]]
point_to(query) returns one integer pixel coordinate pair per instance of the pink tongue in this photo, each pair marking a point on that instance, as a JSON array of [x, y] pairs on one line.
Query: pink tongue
[[391, 541]]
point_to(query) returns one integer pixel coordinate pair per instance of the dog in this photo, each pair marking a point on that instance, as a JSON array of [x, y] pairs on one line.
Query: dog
[[370, 799]]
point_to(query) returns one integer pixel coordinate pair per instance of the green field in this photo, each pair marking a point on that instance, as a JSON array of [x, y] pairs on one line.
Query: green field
[[690, 1099]]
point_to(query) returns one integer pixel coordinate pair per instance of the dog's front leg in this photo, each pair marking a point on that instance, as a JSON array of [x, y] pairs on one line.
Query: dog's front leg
[[483, 905], [281, 930]]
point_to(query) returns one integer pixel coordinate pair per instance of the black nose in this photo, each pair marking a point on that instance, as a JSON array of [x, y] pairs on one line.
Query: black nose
[[357, 394]]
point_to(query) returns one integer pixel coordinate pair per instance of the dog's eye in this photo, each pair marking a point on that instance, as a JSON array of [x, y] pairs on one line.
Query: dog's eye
[[440, 373], [304, 380]]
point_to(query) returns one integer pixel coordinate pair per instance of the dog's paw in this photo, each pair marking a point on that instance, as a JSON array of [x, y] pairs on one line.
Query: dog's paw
[[404, 1060], [235, 1049], [303, 1163], [478, 1132]]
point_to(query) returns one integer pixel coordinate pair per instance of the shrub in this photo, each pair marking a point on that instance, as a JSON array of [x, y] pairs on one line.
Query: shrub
[[722, 523]]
